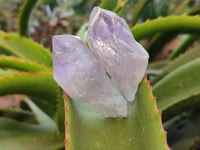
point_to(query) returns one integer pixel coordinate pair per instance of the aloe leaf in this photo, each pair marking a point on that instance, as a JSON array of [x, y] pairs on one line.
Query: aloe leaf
[[157, 43], [18, 115], [178, 62], [162, 38], [24, 17], [181, 6], [84, 125], [12, 44], [120, 4], [183, 46], [82, 33], [108, 4], [20, 64], [39, 85], [41, 117], [38, 136], [156, 67], [7, 72], [184, 133], [45, 105], [60, 112], [185, 24], [21, 136], [194, 11], [185, 104], [137, 10], [178, 85]]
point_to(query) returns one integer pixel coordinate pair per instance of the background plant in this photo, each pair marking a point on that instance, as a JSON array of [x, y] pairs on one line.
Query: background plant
[[26, 68]]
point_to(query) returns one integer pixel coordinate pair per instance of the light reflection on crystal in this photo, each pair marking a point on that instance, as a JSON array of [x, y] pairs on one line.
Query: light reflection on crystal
[[78, 72], [128, 65]]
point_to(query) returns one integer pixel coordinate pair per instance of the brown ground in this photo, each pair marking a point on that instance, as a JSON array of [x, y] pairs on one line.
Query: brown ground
[[10, 101], [67, 25]]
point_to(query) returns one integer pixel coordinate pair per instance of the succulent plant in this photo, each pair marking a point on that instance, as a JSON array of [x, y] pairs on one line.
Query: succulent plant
[[81, 76]]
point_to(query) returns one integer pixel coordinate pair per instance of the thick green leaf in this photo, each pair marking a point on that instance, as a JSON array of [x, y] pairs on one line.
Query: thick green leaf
[[160, 39], [12, 44], [18, 115], [7, 72], [108, 4], [20, 64], [178, 85], [24, 17], [194, 10], [141, 130], [156, 67], [44, 104], [185, 24], [183, 46], [82, 33], [137, 10], [60, 112], [38, 136], [184, 132], [180, 7], [185, 104], [158, 42], [21, 136], [120, 5], [178, 62], [39, 85], [33, 115], [41, 117]]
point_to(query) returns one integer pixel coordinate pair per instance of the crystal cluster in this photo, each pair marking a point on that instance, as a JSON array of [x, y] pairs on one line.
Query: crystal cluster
[[82, 74], [110, 39]]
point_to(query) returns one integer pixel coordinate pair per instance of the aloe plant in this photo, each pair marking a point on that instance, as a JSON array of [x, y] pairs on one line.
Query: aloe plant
[[167, 98]]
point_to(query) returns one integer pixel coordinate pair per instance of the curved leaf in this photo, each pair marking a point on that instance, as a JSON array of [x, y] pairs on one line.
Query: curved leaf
[[194, 11], [20, 64], [108, 4], [21, 136], [157, 43], [184, 133], [185, 104], [180, 7], [172, 23], [137, 10], [60, 113], [40, 85], [156, 67], [18, 115], [41, 117], [24, 17], [160, 39], [178, 62], [12, 44], [45, 105], [7, 72], [178, 85], [134, 132], [183, 46]]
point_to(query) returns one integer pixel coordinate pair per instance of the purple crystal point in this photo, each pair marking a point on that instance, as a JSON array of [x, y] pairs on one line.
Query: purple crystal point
[[111, 40], [80, 75]]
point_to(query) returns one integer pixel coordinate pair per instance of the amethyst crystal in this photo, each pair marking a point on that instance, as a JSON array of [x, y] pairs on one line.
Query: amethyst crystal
[[83, 77], [111, 40], [80, 75]]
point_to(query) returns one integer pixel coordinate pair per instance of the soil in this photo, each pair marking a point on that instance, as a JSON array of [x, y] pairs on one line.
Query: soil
[[67, 25], [11, 101]]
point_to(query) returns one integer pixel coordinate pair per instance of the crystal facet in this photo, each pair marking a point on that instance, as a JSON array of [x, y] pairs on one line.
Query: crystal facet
[[80, 75], [111, 40]]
